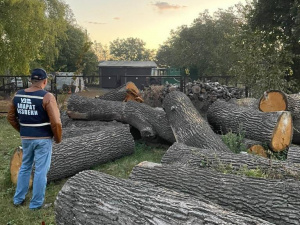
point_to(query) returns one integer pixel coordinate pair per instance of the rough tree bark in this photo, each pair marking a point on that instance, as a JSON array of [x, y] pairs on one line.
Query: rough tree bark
[[273, 128], [196, 157], [188, 125], [151, 122], [296, 131], [92, 197], [74, 131], [293, 155], [251, 103], [125, 93], [273, 200], [275, 100], [80, 153]]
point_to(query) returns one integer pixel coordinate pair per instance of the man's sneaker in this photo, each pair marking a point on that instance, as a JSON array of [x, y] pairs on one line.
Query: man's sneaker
[[20, 204], [45, 206]]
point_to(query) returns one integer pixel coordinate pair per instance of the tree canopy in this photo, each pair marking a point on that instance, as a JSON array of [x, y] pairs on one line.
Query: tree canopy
[[28, 31], [130, 49]]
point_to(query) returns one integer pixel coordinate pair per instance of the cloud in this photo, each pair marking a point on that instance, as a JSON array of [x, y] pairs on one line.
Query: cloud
[[116, 18], [92, 22], [166, 6]]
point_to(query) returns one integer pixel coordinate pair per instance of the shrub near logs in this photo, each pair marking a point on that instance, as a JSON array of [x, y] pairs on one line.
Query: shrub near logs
[[95, 198], [188, 125], [273, 128]]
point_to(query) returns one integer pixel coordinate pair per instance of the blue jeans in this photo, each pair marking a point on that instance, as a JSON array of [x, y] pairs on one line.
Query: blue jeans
[[37, 151]]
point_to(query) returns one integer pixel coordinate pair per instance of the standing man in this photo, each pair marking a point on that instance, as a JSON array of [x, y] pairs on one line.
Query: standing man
[[35, 114]]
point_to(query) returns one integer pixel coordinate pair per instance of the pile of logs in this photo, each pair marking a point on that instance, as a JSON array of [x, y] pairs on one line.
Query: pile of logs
[[202, 94], [199, 179]]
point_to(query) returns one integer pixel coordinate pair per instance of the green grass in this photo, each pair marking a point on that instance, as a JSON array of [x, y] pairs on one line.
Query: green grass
[[9, 215]]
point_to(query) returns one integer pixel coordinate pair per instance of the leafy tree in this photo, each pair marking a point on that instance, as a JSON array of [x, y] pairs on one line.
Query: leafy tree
[[102, 51], [76, 54], [204, 45], [130, 49], [22, 29], [28, 31], [260, 66], [281, 20]]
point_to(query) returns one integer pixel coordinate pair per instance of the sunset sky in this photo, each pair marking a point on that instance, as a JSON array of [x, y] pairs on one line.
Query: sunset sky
[[151, 21]]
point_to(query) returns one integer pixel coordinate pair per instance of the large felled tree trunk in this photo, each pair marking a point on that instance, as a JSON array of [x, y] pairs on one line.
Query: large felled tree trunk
[[82, 149], [251, 103], [279, 101], [151, 122], [274, 200], [273, 128], [77, 130], [293, 154], [195, 157], [83, 152], [95, 198], [188, 125]]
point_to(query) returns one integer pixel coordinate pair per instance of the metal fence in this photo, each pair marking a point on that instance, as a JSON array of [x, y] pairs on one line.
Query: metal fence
[[62, 85]]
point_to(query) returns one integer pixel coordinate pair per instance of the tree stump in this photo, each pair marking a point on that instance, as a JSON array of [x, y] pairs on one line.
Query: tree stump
[[151, 122], [95, 198], [188, 125], [273, 200], [273, 128]]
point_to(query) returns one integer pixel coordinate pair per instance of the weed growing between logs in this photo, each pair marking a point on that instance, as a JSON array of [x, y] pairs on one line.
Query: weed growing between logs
[[10, 215], [234, 142]]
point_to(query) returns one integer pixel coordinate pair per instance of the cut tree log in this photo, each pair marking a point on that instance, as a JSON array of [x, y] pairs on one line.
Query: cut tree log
[[79, 153], [124, 93], [272, 128], [95, 198], [75, 131], [293, 155], [276, 100], [15, 165], [151, 122], [196, 157], [273, 200], [251, 103], [188, 125]]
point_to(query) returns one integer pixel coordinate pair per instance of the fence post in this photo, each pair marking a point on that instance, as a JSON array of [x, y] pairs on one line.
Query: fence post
[[55, 87]]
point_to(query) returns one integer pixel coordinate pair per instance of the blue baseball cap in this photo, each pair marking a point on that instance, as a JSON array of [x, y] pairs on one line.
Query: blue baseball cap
[[38, 74]]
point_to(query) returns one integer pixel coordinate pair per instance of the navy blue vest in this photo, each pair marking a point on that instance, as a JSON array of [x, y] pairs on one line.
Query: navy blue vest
[[33, 119]]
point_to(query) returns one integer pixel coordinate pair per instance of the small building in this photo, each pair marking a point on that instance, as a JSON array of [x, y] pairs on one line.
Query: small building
[[116, 73]]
